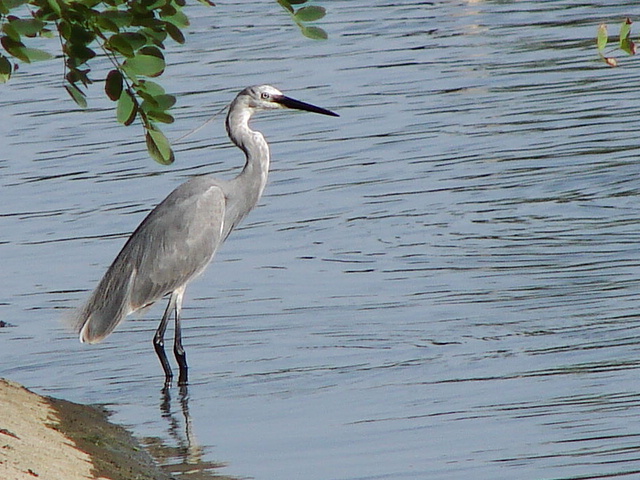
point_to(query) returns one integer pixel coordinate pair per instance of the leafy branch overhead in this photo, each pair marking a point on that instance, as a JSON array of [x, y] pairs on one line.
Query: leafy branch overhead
[[131, 34], [305, 14], [624, 42]]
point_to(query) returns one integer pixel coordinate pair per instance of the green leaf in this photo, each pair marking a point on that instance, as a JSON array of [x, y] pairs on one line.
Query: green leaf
[[106, 25], [126, 43], [120, 18], [150, 88], [78, 53], [55, 6], [159, 147], [76, 75], [5, 69], [310, 14], [315, 33], [7, 5], [153, 4], [36, 55], [113, 85], [286, 5], [165, 102], [174, 32], [603, 37], [158, 103], [80, 35], [626, 44], [179, 19], [29, 27], [77, 95], [15, 48], [625, 29], [156, 36], [149, 62], [127, 108], [162, 117], [11, 32], [47, 33]]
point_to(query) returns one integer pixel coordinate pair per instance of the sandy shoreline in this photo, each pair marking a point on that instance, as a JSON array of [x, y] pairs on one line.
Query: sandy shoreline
[[47, 438]]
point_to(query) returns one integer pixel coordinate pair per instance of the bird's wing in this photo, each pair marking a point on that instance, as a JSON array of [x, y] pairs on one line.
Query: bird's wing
[[176, 241]]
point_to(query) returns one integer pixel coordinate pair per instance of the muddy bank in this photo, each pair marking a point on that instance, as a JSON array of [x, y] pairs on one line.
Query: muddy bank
[[52, 439]]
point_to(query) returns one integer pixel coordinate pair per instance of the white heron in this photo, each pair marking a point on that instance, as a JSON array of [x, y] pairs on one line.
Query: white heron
[[180, 236]]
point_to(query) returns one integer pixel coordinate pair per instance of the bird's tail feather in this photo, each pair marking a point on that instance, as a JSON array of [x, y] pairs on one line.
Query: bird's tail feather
[[107, 306]]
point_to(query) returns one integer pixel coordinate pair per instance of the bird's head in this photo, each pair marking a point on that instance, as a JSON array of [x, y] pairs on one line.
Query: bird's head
[[266, 97]]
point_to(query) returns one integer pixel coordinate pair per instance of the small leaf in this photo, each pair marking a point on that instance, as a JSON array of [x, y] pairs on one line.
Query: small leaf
[[36, 55], [286, 5], [107, 25], [80, 35], [297, 2], [162, 117], [174, 32], [149, 62], [625, 29], [11, 32], [153, 4], [315, 33], [156, 36], [126, 43], [5, 69], [159, 147], [127, 108], [29, 27], [179, 19], [603, 37], [76, 75], [165, 102], [120, 18], [14, 48], [158, 103], [150, 88], [310, 14], [55, 6], [113, 85], [21, 52], [626, 44], [78, 53], [77, 95]]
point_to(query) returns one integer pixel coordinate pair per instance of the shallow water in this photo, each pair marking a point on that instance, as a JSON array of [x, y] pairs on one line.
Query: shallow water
[[442, 283]]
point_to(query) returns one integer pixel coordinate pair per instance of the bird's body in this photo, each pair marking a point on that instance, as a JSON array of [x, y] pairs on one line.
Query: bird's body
[[181, 235]]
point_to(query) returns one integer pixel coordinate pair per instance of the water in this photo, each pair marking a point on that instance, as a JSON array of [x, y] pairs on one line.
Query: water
[[442, 283]]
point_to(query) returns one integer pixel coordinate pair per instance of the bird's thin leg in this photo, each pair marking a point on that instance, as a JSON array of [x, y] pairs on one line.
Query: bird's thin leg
[[158, 340], [178, 350]]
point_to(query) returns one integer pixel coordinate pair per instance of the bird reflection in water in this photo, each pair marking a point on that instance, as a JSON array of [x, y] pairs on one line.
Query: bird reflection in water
[[184, 459]]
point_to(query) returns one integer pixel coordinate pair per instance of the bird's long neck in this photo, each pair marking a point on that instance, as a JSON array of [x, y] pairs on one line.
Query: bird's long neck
[[253, 178]]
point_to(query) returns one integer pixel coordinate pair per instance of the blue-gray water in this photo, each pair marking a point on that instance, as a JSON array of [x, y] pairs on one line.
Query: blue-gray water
[[440, 284]]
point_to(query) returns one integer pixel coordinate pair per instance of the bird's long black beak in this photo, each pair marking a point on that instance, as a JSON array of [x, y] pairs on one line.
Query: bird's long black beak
[[298, 105]]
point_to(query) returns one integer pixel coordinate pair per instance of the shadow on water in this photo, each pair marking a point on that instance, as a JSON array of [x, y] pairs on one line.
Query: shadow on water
[[184, 458]]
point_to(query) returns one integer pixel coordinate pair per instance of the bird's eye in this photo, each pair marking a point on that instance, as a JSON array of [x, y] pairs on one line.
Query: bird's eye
[[265, 96]]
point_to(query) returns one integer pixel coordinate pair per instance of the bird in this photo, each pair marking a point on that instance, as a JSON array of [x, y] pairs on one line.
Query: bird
[[178, 239]]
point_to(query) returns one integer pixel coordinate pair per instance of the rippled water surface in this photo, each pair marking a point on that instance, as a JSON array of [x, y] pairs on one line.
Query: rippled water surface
[[442, 283]]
